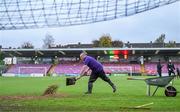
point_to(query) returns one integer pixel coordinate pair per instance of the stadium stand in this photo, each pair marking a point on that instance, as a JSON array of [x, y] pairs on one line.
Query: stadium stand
[[67, 69], [109, 68], [122, 68], [150, 68], [149, 45], [128, 45], [74, 68], [66, 61]]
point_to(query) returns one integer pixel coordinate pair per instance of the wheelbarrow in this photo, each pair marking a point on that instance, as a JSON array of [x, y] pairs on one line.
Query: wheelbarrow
[[170, 91]]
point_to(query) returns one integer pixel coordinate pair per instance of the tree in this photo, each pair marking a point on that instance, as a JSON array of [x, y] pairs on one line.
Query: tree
[[1, 58], [117, 43], [105, 41], [27, 45], [48, 41], [96, 43], [160, 39]]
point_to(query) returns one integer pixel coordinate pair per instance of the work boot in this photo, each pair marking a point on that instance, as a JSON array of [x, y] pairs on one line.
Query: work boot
[[87, 92], [114, 89]]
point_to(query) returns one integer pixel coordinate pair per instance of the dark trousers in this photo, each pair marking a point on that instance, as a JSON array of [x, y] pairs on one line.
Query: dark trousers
[[93, 78], [160, 73], [171, 71]]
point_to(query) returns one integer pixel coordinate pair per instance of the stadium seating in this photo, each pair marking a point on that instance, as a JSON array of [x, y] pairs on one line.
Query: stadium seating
[[151, 68], [109, 68], [74, 68], [67, 69], [122, 68]]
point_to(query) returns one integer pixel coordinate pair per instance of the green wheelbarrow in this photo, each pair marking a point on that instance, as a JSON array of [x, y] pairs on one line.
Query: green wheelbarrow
[[170, 91]]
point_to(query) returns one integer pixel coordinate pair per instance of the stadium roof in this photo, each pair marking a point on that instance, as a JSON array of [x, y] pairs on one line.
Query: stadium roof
[[69, 52]]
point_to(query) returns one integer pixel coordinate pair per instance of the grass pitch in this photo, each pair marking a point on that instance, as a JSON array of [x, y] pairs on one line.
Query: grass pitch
[[25, 94]]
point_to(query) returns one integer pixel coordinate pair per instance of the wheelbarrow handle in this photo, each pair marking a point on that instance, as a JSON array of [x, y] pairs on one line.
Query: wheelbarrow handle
[[131, 78]]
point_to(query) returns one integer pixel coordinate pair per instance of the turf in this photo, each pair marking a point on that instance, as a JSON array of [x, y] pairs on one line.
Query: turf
[[25, 94]]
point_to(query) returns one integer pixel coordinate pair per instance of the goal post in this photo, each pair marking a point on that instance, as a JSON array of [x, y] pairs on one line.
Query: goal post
[[32, 70]]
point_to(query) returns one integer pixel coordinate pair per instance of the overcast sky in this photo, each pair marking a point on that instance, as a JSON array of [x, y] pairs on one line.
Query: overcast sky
[[143, 27]]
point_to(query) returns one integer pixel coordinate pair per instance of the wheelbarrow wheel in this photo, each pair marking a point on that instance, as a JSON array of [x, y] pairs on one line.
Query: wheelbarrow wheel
[[170, 91]]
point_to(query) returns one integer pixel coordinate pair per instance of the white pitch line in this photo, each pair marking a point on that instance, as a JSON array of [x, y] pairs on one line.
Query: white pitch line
[[144, 105]]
